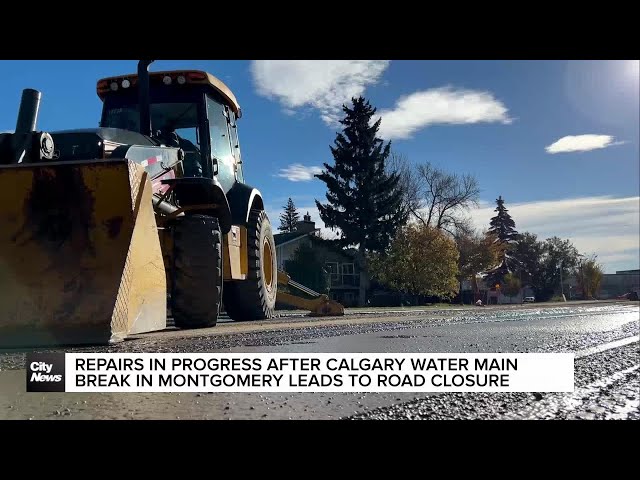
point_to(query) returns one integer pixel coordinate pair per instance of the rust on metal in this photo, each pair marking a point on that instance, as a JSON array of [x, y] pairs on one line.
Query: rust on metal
[[70, 238]]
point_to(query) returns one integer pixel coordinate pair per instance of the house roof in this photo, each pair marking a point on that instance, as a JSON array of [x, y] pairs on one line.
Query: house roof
[[286, 238], [506, 265], [502, 267], [351, 253], [282, 238]]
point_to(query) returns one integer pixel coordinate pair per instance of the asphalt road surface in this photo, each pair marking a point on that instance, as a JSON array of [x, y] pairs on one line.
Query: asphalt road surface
[[604, 337]]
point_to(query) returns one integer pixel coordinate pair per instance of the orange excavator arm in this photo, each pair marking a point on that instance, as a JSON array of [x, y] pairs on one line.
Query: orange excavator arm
[[319, 306]]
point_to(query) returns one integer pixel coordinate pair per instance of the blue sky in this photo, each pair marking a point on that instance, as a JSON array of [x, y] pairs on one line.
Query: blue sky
[[558, 140]]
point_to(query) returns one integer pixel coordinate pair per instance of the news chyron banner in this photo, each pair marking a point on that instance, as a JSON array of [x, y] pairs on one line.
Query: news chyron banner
[[300, 372]]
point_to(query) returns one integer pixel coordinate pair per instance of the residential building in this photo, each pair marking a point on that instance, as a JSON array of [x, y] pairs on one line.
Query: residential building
[[347, 283], [489, 294], [491, 289], [287, 243]]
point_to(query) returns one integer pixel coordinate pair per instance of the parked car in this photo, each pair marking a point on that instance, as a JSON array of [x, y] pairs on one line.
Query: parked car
[[529, 300], [628, 296]]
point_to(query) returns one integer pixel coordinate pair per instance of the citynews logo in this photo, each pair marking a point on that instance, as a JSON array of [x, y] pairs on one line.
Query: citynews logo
[[45, 372]]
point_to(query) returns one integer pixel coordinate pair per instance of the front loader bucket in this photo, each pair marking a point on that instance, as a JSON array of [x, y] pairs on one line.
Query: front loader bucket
[[327, 308], [80, 257]]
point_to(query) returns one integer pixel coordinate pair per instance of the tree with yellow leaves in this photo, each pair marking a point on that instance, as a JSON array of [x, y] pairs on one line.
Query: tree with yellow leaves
[[589, 276], [421, 260]]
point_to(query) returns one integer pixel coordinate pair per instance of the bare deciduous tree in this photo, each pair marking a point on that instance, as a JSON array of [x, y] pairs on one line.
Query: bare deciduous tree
[[443, 196], [398, 163], [434, 197]]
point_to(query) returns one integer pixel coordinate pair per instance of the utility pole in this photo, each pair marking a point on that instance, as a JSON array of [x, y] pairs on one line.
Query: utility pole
[[561, 285]]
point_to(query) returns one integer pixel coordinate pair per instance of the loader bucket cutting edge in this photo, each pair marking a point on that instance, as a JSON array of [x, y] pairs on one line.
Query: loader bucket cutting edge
[[80, 257]]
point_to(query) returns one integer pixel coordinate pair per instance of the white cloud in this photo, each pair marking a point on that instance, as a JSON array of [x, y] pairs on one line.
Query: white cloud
[[581, 143], [445, 105], [605, 226], [324, 85], [298, 172], [625, 258]]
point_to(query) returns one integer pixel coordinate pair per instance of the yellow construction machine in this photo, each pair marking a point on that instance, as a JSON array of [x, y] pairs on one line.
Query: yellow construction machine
[[105, 231], [319, 305]]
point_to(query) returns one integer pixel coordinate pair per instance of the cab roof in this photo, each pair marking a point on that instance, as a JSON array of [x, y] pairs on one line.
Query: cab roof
[[197, 77]]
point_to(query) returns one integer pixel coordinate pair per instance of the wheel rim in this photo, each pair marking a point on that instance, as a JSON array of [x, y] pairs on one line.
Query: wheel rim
[[267, 265]]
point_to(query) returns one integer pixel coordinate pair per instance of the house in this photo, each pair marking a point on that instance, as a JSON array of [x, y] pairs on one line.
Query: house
[[287, 243], [347, 282], [612, 285], [489, 294], [489, 287]]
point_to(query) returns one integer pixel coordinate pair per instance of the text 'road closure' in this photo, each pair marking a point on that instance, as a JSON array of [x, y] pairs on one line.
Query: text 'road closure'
[[312, 372]]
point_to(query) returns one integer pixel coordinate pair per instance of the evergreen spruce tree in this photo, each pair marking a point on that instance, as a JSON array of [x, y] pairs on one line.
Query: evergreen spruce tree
[[364, 201], [502, 225], [289, 218]]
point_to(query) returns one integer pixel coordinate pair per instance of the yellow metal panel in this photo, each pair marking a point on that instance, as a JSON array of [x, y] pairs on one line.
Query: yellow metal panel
[[234, 254], [143, 288], [75, 265], [244, 253]]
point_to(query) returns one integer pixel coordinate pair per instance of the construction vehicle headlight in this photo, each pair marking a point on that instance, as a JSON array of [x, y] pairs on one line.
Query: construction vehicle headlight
[[114, 86], [167, 80], [182, 80], [126, 83]]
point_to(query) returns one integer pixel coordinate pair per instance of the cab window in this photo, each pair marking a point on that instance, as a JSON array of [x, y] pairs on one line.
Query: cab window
[[221, 143], [235, 145]]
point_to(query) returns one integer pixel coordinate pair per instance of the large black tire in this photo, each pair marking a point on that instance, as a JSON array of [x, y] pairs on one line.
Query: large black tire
[[197, 274], [255, 297]]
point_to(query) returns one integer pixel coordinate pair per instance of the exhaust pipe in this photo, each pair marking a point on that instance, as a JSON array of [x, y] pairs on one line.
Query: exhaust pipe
[[28, 113], [164, 207], [145, 102], [25, 144]]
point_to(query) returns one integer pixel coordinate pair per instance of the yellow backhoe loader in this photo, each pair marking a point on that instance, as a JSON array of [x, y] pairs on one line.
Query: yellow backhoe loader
[[104, 231], [319, 305]]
